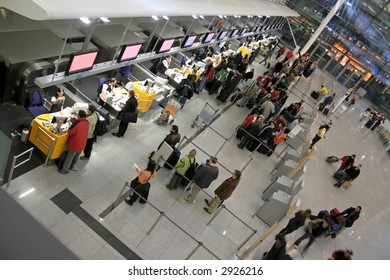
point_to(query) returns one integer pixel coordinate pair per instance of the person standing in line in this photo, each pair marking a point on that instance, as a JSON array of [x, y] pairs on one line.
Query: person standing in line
[[185, 89], [203, 178], [181, 168], [223, 192], [320, 134], [351, 174], [141, 184], [346, 162], [78, 135], [266, 56], [268, 108], [172, 138], [248, 95], [128, 110], [281, 52], [92, 119], [289, 55], [296, 222], [252, 132]]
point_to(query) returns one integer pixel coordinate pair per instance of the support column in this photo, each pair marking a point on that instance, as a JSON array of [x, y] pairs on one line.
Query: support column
[[323, 24]]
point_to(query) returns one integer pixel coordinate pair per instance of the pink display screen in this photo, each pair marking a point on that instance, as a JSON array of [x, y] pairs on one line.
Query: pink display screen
[[208, 38], [234, 33], [243, 32], [222, 35], [129, 52], [166, 45], [188, 41], [81, 62]]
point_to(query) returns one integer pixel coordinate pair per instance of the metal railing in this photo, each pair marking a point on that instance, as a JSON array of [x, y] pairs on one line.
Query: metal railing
[[13, 166], [49, 148]]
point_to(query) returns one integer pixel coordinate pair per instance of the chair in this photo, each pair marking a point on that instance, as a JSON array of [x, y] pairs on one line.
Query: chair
[[183, 60], [125, 73], [36, 106], [101, 81]]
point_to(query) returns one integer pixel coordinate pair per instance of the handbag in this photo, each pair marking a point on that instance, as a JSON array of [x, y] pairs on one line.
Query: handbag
[[128, 117], [347, 184]]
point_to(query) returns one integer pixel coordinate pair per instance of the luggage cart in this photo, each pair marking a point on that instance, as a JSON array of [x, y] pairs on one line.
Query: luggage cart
[[205, 116], [173, 106]]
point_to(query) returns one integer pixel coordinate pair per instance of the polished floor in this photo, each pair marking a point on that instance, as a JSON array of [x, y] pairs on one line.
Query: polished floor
[[69, 205]]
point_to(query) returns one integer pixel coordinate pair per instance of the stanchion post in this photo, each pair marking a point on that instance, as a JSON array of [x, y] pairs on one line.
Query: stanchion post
[[216, 214], [156, 222], [120, 194], [195, 249]]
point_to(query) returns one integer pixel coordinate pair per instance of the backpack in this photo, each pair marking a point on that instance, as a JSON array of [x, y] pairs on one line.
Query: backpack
[[100, 128]]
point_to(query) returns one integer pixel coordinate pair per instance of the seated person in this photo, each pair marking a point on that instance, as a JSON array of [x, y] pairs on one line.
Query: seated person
[[190, 63], [58, 101], [107, 91]]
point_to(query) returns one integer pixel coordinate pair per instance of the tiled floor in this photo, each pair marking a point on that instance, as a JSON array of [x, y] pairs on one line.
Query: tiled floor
[[99, 181]]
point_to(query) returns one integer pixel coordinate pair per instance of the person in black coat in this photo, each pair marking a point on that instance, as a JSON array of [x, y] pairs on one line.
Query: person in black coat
[[252, 131], [351, 214], [351, 174], [278, 250], [266, 134], [296, 222], [127, 114]]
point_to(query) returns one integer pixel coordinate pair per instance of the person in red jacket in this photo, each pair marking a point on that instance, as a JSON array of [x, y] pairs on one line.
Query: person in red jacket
[[289, 55], [281, 52], [78, 135], [346, 162]]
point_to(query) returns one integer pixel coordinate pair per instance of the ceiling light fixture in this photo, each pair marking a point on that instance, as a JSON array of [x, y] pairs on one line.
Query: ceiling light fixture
[[155, 17], [225, 16], [195, 16], [166, 17], [220, 16], [202, 17], [104, 19], [85, 20]]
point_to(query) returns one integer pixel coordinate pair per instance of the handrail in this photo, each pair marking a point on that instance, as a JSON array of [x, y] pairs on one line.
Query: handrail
[[50, 148], [13, 166]]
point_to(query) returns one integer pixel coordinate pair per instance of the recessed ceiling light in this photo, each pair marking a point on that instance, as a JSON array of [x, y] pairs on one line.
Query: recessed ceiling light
[[104, 19], [155, 17], [166, 17], [220, 16], [195, 16], [202, 17]]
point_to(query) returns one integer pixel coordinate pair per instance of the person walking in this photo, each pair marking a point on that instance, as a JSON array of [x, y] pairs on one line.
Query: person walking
[[346, 162], [351, 214], [281, 52], [127, 114], [181, 168], [320, 134], [314, 229], [342, 255], [92, 119], [327, 101], [296, 222], [141, 185], [203, 178], [351, 174], [185, 89], [278, 250], [223, 192], [266, 56], [78, 135]]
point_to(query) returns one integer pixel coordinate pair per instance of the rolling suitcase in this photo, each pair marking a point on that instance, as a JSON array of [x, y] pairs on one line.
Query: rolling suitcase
[[173, 159], [326, 111], [340, 175], [315, 95], [332, 159]]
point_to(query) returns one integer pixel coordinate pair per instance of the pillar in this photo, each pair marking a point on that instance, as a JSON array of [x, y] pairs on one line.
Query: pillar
[[323, 24]]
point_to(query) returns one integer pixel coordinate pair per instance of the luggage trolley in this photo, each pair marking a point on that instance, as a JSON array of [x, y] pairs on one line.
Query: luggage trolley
[[169, 113], [205, 116]]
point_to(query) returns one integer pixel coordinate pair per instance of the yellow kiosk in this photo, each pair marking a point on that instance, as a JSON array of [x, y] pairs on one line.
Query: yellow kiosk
[[144, 98], [42, 136]]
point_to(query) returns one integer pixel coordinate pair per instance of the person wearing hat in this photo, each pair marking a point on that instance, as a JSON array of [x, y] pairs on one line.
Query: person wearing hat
[[203, 178], [342, 255], [92, 119]]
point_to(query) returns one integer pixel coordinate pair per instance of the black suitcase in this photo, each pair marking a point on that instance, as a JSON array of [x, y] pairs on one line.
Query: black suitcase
[[326, 111], [315, 95], [340, 175], [332, 159], [173, 159]]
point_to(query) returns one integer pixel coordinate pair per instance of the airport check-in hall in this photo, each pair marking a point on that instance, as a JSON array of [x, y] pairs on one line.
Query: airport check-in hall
[[182, 130]]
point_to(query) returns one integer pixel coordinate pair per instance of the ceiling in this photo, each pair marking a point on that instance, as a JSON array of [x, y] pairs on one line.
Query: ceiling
[[71, 9]]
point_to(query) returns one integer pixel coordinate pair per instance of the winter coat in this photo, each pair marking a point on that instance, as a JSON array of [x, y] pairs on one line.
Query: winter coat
[[225, 190], [184, 164], [172, 139], [206, 175], [185, 88], [352, 172], [92, 121], [269, 108], [350, 216], [78, 135], [296, 222]]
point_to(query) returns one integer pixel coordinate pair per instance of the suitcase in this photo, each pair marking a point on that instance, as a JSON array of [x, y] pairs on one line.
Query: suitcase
[[334, 212], [315, 95], [326, 111], [173, 159], [332, 159], [340, 175], [321, 107]]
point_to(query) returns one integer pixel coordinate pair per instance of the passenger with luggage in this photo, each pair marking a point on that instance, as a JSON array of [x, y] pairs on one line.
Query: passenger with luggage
[[203, 178], [346, 162], [351, 214], [350, 174], [172, 138], [223, 192], [326, 102], [278, 249], [250, 119], [316, 228], [250, 94], [182, 167], [141, 185], [251, 132], [185, 89]]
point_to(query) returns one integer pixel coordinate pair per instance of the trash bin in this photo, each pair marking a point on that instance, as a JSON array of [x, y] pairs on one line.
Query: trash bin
[[25, 133]]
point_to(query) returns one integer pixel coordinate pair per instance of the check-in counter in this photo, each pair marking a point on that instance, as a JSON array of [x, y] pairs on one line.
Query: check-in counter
[[44, 137]]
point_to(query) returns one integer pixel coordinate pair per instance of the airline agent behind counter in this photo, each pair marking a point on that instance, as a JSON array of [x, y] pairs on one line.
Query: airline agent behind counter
[[107, 90], [58, 101]]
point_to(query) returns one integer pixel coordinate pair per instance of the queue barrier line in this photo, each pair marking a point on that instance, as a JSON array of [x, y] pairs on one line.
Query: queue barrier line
[[121, 197], [14, 165]]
